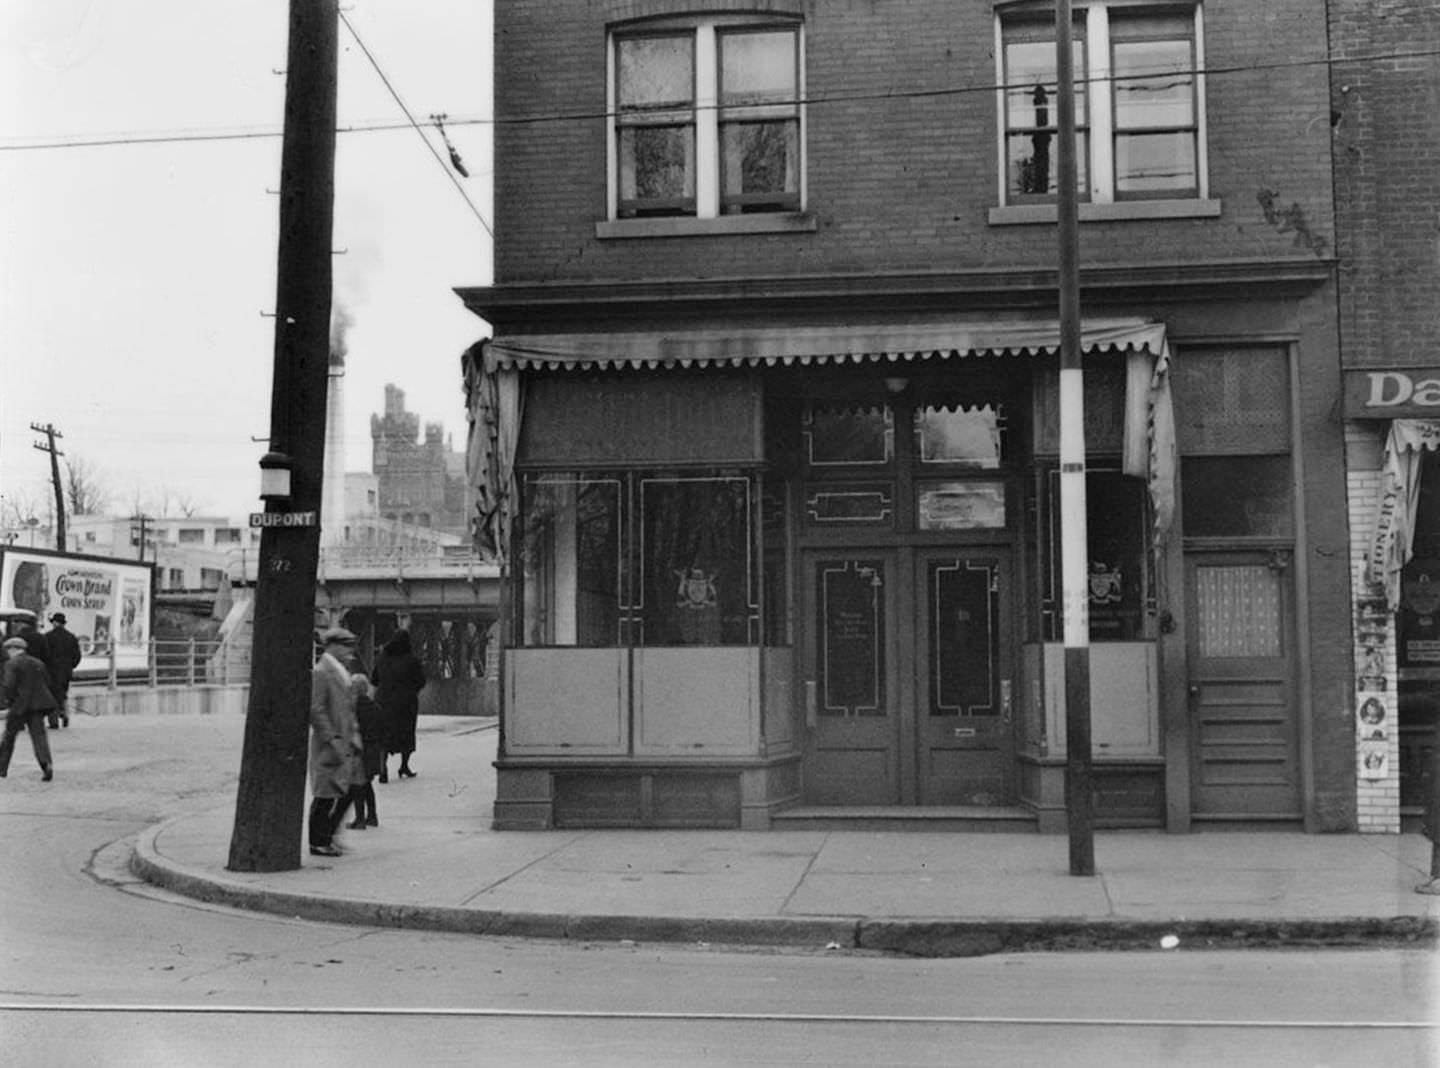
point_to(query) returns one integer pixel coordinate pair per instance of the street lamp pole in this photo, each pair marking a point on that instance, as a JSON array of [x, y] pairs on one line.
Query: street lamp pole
[[1074, 549], [270, 802]]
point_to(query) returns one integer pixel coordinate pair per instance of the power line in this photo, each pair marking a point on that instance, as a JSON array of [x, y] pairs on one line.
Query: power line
[[431, 148], [162, 137]]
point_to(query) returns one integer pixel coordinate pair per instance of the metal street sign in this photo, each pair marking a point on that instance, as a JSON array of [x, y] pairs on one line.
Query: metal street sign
[[284, 519]]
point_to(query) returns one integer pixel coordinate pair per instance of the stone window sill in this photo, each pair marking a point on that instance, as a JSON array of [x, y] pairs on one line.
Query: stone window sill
[[676, 226], [1028, 214]]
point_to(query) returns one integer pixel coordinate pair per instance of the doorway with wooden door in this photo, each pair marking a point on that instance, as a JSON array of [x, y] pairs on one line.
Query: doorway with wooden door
[[1241, 663], [908, 662]]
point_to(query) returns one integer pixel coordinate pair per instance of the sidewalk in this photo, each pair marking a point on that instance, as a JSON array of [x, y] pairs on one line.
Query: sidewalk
[[434, 864]]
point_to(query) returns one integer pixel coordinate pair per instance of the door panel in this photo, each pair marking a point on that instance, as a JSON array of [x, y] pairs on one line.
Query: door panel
[[1242, 691], [852, 747], [966, 750]]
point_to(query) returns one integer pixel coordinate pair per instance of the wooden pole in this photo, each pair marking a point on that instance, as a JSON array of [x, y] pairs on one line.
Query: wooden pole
[[270, 804], [1073, 514]]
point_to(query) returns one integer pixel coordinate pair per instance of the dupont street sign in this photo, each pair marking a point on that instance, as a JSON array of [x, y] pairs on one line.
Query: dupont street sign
[[284, 519]]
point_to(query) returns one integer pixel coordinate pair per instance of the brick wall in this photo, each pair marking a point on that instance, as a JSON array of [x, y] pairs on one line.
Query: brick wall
[[1387, 155], [1377, 801], [896, 181]]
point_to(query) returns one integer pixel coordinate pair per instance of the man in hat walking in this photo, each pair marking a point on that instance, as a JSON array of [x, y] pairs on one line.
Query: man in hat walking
[[27, 700], [64, 650], [334, 754]]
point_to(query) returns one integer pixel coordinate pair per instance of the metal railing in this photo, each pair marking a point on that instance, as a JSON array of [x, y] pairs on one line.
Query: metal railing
[[178, 662]]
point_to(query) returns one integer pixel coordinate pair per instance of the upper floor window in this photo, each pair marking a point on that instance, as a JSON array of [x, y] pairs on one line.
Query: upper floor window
[[1139, 103], [191, 536], [707, 119]]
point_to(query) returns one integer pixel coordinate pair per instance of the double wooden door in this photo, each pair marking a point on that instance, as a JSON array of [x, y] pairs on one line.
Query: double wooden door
[[909, 678]]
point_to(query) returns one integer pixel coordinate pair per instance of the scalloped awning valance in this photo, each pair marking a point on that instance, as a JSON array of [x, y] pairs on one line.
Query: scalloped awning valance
[[783, 345]]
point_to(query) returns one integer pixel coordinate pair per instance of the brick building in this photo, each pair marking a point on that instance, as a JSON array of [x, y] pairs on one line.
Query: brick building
[[420, 480], [1387, 152], [768, 420]]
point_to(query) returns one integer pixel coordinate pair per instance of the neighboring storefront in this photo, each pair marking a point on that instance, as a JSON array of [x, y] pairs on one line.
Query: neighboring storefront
[[777, 575], [1393, 437]]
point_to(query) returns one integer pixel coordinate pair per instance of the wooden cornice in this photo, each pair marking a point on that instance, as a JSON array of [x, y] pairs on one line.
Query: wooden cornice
[[511, 305]]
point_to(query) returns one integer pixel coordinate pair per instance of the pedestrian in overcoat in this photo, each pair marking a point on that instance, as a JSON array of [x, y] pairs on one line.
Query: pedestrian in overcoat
[[64, 650], [25, 694], [39, 648], [399, 678], [334, 741]]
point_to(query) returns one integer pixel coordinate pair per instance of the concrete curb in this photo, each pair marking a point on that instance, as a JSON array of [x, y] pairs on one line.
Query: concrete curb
[[917, 938]]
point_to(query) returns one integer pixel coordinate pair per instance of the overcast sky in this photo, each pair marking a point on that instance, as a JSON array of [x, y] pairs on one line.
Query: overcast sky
[[133, 277]]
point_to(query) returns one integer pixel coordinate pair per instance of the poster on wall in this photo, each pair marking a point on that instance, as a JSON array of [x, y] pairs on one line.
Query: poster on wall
[[1374, 760], [1373, 718], [107, 603]]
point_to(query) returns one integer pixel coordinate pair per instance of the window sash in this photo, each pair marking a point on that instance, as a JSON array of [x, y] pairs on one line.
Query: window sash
[[1029, 59], [1139, 149], [744, 78], [1170, 119]]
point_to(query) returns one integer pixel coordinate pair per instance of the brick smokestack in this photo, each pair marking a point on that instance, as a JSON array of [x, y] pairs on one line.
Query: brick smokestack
[[332, 507]]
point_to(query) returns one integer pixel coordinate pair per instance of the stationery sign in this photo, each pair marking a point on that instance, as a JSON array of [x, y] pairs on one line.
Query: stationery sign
[[1393, 393]]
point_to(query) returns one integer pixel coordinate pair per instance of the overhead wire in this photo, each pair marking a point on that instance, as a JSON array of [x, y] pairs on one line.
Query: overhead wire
[[431, 148], [377, 126]]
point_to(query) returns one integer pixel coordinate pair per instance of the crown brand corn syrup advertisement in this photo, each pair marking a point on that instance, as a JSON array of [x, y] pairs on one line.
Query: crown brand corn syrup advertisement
[[106, 603]]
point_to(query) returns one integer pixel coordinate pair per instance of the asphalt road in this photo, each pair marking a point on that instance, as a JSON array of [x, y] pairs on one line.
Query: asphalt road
[[97, 969]]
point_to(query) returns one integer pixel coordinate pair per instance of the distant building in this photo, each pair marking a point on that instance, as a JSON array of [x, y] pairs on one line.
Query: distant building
[[189, 552], [420, 481]]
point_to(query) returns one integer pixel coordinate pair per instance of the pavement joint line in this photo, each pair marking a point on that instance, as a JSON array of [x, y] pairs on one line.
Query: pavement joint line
[[560, 847]]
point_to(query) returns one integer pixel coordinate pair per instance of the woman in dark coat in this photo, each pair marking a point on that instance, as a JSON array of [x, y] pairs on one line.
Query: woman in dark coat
[[399, 678]]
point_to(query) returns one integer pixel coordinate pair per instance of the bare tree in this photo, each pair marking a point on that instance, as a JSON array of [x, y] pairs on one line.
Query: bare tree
[[19, 507], [183, 501], [85, 489], [166, 500]]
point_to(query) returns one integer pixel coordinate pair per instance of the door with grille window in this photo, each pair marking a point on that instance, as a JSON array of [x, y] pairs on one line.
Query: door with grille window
[[852, 752], [1242, 686]]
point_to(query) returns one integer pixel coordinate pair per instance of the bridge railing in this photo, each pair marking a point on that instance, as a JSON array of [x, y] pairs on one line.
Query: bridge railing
[[402, 561]]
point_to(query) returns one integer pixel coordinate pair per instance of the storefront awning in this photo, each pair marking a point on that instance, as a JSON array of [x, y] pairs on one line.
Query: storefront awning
[[785, 346], [496, 396]]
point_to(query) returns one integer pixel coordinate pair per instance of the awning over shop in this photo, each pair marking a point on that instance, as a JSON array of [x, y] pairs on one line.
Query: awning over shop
[[791, 345], [1393, 542], [495, 395]]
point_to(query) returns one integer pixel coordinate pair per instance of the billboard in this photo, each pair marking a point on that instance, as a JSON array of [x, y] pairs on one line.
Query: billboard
[[107, 603]]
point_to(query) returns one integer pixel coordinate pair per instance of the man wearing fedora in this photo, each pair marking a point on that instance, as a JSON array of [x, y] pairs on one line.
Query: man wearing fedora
[[27, 701], [64, 650], [334, 735]]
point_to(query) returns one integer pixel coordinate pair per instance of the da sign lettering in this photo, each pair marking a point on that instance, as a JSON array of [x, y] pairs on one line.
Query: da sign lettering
[[1392, 393]]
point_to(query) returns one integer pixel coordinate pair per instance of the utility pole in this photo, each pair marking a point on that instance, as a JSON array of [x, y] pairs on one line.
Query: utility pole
[[143, 520], [49, 446], [1074, 549], [270, 803]]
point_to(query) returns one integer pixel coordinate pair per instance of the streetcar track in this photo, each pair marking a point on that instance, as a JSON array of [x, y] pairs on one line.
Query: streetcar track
[[726, 1017]]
